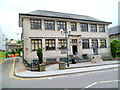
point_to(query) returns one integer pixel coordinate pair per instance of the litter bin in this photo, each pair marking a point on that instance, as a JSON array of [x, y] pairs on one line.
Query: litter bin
[[62, 65], [42, 67], [73, 60]]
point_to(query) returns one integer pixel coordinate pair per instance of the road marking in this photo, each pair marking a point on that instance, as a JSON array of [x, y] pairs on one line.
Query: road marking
[[90, 85], [11, 74], [99, 82], [109, 81], [2, 61]]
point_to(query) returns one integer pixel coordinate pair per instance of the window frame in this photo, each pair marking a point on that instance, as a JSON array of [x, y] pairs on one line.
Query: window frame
[[51, 60], [84, 27], [93, 27], [35, 24], [93, 40], [74, 41], [63, 42], [35, 45], [103, 41], [85, 41], [103, 28], [51, 44], [73, 26], [49, 24], [62, 25]]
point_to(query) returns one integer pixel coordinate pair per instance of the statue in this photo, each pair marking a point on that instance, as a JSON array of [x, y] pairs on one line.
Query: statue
[[95, 49]]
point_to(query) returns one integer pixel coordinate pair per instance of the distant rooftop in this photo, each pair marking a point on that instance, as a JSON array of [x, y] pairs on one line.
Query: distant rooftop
[[53, 14], [114, 30]]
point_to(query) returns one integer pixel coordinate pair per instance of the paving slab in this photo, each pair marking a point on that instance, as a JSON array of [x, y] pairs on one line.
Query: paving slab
[[53, 70]]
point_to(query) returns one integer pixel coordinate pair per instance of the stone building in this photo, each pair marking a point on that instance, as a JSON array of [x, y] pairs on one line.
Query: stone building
[[42, 29], [2, 41], [114, 33]]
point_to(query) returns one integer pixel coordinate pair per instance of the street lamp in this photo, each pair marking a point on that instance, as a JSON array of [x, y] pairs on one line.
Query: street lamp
[[66, 36]]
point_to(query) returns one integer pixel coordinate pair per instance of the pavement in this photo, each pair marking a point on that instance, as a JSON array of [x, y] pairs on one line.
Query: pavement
[[20, 69]]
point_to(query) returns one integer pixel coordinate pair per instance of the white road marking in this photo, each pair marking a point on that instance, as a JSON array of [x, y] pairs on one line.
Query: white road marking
[[90, 85], [99, 82], [109, 81]]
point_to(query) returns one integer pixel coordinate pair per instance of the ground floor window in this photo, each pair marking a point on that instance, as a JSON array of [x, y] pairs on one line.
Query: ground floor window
[[95, 41], [63, 59], [51, 60], [85, 43], [36, 43], [62, 43], [102, 43], [50, 44]]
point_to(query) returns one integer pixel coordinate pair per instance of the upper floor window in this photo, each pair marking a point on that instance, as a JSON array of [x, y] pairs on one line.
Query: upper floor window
[[93, 27], [36, 43], [84, 27], [73, 26], [49, 25], [50, 44], [35, 24], [62, 43], [102, 43], [61, 25], [74, 41], [85, 43], [101, 28]]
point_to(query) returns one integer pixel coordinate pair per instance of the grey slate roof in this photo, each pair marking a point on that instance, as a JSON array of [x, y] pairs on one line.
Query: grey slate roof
[[114, 30], [53, 14]]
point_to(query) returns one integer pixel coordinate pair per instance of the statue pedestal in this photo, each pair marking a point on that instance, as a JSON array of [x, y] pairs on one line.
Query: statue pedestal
[[96, 59]]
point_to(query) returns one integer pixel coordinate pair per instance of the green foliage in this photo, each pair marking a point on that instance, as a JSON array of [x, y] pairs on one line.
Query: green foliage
[[13, 51], [40, 55], [19, 42], [19, 50], [3, 54], [115, 48]]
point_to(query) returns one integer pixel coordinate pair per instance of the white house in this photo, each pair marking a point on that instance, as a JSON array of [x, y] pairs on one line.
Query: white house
[[43, 29], [2, 41]]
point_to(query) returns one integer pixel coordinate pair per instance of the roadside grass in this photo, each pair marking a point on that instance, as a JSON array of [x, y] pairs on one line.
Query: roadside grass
[[2, 56]]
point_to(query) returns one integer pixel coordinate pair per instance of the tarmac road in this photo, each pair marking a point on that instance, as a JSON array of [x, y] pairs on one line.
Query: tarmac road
[[99, 79]]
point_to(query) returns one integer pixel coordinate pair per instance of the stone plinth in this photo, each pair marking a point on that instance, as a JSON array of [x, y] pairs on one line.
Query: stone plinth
[[96, 59]]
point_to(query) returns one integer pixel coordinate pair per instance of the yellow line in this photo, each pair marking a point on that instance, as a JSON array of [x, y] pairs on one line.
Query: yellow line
[[2, 61], [11, 74]]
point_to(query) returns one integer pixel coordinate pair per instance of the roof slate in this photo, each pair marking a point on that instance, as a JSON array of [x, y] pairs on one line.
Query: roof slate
[[62, 15], [114, 30]]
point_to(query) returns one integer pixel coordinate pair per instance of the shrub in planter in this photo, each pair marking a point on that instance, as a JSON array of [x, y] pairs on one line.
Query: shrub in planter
[[40, 55]]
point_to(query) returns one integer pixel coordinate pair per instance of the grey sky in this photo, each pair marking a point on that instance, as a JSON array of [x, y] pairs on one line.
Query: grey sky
[[106, 10]]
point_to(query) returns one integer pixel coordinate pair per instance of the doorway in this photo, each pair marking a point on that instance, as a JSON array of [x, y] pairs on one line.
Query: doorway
[[74, 49]]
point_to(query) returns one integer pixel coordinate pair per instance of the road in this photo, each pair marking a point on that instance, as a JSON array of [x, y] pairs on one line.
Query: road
[[98, 79]]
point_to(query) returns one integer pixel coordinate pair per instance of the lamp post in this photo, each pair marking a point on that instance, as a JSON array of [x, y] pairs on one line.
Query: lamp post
[[66, 36]]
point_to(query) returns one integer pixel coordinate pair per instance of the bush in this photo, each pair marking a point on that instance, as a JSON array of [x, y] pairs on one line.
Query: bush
[[40, 55], [115, 48]]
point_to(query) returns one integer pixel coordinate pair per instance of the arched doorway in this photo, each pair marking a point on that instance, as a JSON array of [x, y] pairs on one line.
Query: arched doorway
[[74, 49]]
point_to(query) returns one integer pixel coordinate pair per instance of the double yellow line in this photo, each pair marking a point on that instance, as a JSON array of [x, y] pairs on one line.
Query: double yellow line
[[2, 61], [11, 74]]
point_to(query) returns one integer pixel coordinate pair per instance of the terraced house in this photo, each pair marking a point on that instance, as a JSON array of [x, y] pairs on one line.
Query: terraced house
[[43, 29]]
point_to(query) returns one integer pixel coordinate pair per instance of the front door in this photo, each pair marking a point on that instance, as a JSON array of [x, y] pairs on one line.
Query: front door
[[74, 48]]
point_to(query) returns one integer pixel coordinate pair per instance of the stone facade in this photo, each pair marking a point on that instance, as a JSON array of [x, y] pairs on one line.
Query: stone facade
[[28, 34]]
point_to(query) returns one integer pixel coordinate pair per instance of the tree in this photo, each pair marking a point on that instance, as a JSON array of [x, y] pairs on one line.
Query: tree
[[115, 48], [19, 42], [40, 55]]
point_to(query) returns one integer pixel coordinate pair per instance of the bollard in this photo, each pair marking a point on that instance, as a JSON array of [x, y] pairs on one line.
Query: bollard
[[42, 67], [62, 65]]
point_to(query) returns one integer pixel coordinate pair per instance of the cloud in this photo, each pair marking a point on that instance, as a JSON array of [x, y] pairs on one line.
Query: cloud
[[105, 10]]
